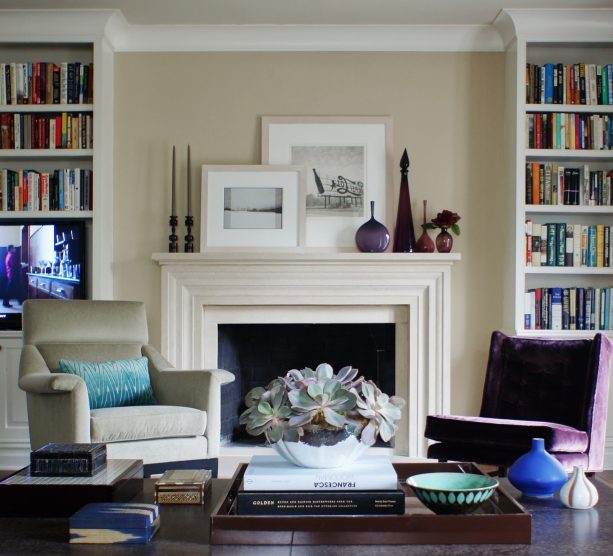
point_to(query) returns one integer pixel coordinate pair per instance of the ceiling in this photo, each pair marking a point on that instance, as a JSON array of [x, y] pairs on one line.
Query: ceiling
[[349, 12]]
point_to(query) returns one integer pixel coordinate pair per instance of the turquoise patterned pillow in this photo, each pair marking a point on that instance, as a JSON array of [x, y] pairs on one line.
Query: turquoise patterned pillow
[[113, 383]]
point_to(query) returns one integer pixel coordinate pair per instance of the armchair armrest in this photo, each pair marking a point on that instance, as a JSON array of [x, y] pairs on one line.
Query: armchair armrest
[[58, 405], [200, 389], [50, 383]]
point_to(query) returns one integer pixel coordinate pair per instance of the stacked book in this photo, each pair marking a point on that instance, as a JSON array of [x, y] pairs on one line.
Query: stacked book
[[273, 486]]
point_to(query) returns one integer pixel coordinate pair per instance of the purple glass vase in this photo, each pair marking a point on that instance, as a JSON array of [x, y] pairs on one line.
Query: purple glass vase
[[404, 238], [372, 236], [444, 241]]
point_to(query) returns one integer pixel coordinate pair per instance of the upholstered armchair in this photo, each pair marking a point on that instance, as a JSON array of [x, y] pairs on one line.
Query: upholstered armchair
[[534, 388], [182, 429]]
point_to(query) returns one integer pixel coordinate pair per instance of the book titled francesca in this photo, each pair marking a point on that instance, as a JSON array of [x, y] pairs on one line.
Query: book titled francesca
[[275, 473]]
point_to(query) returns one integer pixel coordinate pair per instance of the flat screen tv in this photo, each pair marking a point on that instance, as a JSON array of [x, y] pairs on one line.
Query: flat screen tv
[[39, 260]]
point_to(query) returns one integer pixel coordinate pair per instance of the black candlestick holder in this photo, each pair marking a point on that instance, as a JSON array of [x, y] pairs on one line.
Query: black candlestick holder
[[189, 238], [173, 245]]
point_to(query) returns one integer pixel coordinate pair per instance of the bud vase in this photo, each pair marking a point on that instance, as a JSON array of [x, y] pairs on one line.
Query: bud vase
[[424, 242], [444, 241], [404, 238], [537, 473], [372, 236], [578, 492]]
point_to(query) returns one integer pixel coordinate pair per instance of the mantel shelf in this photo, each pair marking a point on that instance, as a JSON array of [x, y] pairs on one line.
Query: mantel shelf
[[306, 256]]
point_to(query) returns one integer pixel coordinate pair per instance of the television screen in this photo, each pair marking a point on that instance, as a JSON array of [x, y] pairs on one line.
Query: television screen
[[39, 261]]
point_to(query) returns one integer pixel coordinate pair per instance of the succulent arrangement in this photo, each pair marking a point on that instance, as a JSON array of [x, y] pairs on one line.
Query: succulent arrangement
[[304, 400]]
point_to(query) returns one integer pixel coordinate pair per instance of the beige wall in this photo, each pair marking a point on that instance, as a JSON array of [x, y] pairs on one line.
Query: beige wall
[[447, 110]]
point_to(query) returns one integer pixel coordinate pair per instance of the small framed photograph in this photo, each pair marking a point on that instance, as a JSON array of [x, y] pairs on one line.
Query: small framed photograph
[[252, 207], [348, 164]]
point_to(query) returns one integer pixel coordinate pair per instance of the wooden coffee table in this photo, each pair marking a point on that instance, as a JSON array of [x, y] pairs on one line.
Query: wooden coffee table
[[184, 531]]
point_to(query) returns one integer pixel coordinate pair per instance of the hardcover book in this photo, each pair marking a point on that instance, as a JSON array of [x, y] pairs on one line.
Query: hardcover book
[[114, 523], [183, 486], [273, 473], [65, 460], [342, 502]]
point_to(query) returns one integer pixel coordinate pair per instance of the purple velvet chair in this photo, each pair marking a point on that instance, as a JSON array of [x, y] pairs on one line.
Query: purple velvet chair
[[534, 388]]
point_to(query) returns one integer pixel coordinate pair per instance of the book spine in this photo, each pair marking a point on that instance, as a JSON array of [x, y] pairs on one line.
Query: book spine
[[321, 503], [556, 309]]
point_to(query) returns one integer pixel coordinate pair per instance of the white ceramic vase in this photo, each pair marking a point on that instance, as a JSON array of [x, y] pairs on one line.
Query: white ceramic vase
[[578, 492]]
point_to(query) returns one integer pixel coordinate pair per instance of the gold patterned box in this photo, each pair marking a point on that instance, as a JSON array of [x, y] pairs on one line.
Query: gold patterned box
[[182, 486]]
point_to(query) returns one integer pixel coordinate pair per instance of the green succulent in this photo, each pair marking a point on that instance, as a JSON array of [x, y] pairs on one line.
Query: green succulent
[[320, 399], [381, 411]]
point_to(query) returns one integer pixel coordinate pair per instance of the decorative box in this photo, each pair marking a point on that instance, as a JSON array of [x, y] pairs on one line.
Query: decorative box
[[114, 523], [183, 486], [67, 460]]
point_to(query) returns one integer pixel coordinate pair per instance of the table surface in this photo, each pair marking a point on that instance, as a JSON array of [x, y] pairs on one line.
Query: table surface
[[184, 530]]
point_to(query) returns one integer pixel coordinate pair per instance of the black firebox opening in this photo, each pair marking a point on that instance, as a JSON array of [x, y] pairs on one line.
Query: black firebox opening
[[259, 353]]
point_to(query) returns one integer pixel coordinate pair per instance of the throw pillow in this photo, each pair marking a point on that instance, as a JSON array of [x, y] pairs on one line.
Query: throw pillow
[[113, 383]]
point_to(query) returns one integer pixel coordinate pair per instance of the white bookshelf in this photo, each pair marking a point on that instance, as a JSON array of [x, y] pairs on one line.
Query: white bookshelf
[[59, 36], [539, 37]]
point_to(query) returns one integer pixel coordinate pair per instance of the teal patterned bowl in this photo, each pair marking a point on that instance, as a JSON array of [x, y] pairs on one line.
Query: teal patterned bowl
[[452, 493]]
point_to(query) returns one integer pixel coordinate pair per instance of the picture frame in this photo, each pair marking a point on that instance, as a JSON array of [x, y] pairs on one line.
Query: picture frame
[[247, 207], [348, 162]]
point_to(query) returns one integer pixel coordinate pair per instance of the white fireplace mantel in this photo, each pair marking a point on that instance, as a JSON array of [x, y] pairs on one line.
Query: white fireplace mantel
[[411, 290]]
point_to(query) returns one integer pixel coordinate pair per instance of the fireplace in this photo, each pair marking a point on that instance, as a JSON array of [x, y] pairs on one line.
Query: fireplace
[[410, 293], [258, 353]]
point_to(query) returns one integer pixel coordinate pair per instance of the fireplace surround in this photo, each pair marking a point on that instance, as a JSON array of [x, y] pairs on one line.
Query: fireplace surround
[[201, 292]]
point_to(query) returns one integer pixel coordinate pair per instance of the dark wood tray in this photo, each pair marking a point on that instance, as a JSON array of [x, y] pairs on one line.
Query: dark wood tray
[[500, 520]]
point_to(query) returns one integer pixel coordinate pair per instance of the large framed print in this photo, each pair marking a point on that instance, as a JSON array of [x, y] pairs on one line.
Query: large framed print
[[246, 207], [348, 163]]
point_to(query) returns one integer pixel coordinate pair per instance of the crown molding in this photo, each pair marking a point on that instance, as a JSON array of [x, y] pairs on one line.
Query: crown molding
[[551, 25], [295, 38], [37, 26], [87, 25]]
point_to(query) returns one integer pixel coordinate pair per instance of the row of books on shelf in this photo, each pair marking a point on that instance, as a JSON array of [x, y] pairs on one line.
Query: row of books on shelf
[[549, 183], [562, 130], [568, 309], [562, 244], [569, 83], [273, 486], [64, 130], [46, 83], [31, 190]]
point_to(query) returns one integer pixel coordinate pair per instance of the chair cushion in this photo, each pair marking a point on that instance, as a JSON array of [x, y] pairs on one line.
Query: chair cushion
[[117, 424], [116, 383], [504, 433]]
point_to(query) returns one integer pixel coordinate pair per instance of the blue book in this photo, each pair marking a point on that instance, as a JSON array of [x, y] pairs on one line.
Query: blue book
[[114, 523], [592, 248], [548, 83], [556, 309]]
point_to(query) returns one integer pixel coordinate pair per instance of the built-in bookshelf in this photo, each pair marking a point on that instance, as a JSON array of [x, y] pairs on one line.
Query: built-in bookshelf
[[56, 131], [56, 155], [559, 71], [47, 130]]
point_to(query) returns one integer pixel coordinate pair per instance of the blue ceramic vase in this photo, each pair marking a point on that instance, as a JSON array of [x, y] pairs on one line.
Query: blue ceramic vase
[[537, 473]]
